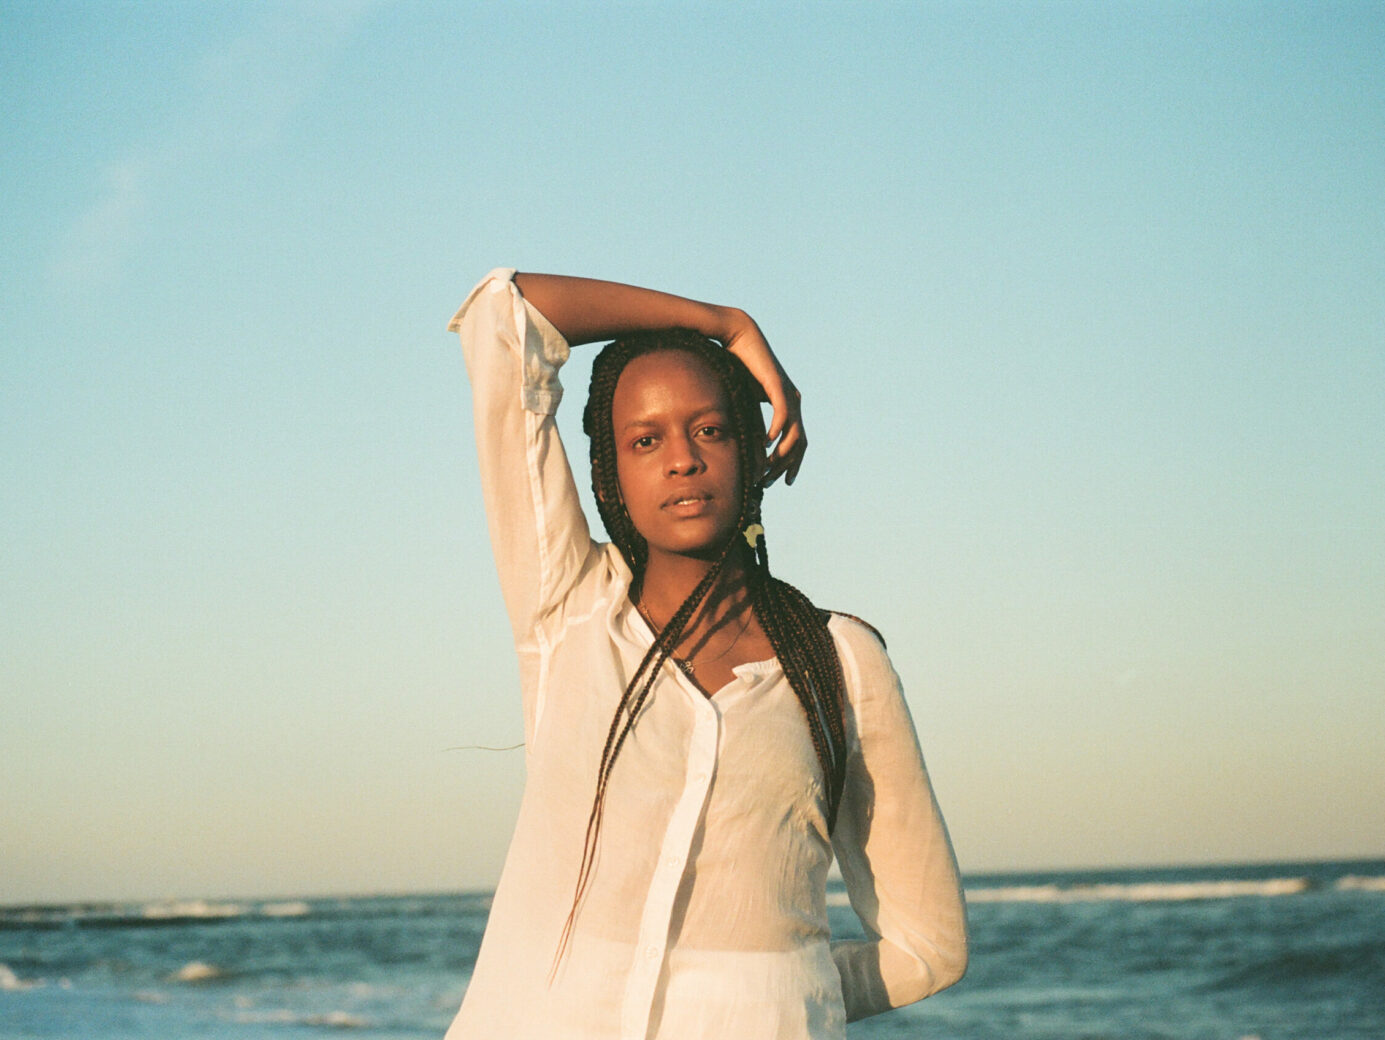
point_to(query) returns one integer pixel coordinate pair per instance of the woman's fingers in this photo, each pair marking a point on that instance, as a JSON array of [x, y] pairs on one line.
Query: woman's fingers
[[787, 454], [783, 403], [789, 441], [778, 405], [785, 439]]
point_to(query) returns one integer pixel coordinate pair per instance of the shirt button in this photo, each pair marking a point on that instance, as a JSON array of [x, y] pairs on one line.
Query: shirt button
[[651, 953], [700, 776], [671, 861]]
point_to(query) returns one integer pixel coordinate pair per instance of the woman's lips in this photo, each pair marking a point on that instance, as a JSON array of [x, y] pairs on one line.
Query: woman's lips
[[688, 503]]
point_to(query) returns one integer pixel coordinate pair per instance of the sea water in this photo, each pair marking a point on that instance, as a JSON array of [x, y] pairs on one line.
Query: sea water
[[1285, 951]]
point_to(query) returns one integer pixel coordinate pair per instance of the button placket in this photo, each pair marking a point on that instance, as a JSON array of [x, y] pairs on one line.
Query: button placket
[[663, 889]]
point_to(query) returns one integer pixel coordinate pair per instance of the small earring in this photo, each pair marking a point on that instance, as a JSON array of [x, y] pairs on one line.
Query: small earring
[[752, 533]]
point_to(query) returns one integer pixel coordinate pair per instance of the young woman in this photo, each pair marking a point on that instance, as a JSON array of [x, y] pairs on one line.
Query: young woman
[[699, 738]]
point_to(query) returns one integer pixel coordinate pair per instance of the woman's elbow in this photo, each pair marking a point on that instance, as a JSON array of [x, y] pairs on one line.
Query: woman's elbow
[[951, 947], [923, 968], [950, 964], [942, 958]]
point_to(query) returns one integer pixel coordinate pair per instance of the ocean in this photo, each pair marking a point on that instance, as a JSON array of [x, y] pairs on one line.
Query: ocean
[[1284, 951]]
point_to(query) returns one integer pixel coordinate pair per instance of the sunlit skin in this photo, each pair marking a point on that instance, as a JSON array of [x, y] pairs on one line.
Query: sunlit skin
[[678, 463]]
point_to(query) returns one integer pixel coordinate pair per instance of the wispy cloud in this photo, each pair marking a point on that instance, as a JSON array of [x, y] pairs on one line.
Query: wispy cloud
[[241, 94], [94, 246]]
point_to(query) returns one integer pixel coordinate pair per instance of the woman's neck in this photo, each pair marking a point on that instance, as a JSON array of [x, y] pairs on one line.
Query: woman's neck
[[669, 579], [722, 633]]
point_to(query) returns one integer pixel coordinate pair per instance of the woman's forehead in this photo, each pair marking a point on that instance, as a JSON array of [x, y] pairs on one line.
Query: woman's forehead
[[666, 381]]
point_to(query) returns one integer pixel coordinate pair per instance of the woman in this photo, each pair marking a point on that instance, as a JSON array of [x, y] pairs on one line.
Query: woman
[[699, 738]]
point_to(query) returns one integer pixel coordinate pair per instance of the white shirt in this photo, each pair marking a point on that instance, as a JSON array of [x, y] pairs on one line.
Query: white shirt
[[705, 916]]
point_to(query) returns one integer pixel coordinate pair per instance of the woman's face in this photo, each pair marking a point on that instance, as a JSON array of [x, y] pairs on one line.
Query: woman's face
[[677, 457]]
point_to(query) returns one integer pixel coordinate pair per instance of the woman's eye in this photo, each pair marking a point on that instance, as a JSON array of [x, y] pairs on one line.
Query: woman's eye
[[711, 431], [643, 442]]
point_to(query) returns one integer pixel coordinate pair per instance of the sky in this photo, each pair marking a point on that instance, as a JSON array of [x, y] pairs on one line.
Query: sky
[[1085, 301]]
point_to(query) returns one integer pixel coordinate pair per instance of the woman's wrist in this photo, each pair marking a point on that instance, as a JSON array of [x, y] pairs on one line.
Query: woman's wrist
[[587, 310], [726, 324]]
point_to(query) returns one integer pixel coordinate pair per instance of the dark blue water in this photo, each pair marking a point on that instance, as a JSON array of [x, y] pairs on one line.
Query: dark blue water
[[1274, 952]]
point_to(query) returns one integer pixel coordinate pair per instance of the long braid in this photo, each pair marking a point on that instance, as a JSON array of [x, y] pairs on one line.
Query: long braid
[[798, 632], [596, 422], [627, 711], [795, 628]]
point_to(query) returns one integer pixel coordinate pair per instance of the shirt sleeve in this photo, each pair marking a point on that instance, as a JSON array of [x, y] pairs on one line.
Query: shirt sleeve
[[892, 846], [537, 528]]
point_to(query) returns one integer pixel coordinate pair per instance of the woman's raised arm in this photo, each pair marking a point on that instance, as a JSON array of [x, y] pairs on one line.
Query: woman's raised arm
[[587, 310]]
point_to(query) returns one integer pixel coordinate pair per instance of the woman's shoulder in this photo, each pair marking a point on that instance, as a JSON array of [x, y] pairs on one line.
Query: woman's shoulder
[[869, 679], [861, 649], [856, 630]]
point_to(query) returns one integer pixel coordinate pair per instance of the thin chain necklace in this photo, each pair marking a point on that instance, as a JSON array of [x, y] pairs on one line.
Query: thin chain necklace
[[686, 665]]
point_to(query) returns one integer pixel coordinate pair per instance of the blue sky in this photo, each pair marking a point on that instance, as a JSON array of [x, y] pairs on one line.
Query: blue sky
[[1084, 299]]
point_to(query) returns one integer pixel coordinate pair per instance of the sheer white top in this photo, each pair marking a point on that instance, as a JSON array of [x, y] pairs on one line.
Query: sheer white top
[[705, 916]]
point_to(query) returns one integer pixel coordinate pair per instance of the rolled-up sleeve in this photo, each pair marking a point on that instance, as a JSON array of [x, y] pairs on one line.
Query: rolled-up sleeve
[[537, 528]]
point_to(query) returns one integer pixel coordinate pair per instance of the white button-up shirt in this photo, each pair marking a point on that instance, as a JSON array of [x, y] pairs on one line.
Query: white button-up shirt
[[705, 916]]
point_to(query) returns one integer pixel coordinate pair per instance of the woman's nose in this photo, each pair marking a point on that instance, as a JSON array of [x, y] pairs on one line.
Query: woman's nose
[[683, 458]]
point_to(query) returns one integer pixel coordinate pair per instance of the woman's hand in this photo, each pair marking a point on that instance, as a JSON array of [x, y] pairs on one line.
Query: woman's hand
[[786, 441]]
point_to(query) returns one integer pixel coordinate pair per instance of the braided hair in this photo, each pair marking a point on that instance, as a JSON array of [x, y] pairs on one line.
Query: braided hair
[[796, 629]]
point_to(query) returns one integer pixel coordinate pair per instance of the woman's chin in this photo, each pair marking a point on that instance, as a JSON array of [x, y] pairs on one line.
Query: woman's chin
[[704, 550]]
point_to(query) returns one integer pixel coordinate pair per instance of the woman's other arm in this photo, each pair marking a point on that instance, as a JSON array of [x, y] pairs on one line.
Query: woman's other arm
[[587, 310], [893, 847]]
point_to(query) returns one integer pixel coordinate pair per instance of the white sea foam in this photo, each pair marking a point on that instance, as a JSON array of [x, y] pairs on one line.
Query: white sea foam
[[191, 908], [197, 971], [12, 983], [337, 1020], [1016, 894], [1140, 892], [1355, 883]]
